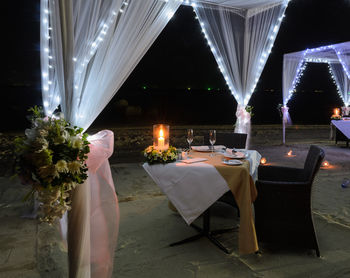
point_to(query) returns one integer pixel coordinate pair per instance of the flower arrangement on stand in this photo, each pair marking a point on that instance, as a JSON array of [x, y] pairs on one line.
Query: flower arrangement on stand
[[52, 159], [154, 155]]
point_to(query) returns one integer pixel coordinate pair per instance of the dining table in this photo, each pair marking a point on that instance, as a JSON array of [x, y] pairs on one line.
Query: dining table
[[195, 183]]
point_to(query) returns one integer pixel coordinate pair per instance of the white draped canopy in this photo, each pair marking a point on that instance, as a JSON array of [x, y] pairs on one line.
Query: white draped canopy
[[337, 56], [90, 47]]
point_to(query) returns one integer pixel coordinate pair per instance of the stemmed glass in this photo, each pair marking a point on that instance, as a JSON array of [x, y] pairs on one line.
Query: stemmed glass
[[189, 138], [212, 140]]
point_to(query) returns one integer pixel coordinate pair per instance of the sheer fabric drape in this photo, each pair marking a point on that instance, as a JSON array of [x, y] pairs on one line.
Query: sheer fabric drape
[[241, 39], [92, 48], [342, 81], [89, 48]]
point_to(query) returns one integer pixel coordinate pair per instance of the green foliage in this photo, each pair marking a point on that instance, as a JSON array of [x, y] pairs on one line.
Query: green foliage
[[279, 108], [249, 109]]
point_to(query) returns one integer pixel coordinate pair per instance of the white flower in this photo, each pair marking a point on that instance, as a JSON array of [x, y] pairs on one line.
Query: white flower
[[74, 167], [43, 132], [65, 134], [40, 144], [61, 166], [77, 143], [30, 133], [58, 140]]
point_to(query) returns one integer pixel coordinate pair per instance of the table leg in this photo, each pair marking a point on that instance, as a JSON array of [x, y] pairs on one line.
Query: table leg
[[205, 232]]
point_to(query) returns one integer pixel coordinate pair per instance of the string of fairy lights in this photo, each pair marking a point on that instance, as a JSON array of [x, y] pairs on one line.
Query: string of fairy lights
[[50, 102], [81, 63], [304, 60]]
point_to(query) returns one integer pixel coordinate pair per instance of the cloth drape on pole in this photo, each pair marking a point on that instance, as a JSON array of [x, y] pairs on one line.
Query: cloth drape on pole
[[241, 39], [88, 49], [337, 56]]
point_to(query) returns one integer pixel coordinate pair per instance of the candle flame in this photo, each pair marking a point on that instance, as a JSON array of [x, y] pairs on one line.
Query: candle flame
[[263, 160], [325, 163], [290, 153], [336, 111], [161, 133]]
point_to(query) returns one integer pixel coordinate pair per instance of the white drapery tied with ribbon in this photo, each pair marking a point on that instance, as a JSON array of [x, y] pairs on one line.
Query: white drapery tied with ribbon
[[286, 120], [93, 221], [243, 122], [285, 114], [345, 110]]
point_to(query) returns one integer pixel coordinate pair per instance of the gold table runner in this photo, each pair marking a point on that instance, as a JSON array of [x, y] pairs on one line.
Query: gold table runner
[[243, 188]]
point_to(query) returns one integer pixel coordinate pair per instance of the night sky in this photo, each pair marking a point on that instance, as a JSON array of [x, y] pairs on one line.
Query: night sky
[[157, 90]]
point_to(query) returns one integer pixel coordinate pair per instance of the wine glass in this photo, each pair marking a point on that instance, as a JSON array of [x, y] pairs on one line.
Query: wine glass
[[212, 140], [189, 138]]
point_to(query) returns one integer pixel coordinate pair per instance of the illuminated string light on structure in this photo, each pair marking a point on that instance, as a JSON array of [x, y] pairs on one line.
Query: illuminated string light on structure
[[222, 65], [329, 55], [336, 83], [46, 55], [333, 55]]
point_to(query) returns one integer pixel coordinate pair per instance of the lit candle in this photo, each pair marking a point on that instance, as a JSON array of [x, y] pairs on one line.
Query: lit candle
[[336, 111], [290, 153], [161, 140], [325, 163], [263, 161]]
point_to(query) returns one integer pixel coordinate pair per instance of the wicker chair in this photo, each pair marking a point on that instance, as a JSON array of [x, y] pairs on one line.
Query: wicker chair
[[230, 140], [283, 207]]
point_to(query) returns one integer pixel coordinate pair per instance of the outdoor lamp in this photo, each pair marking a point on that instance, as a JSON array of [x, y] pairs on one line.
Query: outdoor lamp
[[161, 137]]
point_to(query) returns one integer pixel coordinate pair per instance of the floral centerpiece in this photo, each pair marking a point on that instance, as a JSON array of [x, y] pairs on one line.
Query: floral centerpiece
[[336, 117], [154, 155], [52, 159]]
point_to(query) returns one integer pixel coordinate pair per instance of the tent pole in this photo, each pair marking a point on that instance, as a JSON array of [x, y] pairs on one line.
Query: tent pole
[[284, 131]]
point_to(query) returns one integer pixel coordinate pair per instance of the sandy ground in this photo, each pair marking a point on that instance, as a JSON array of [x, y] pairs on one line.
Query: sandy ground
[[147, 227]]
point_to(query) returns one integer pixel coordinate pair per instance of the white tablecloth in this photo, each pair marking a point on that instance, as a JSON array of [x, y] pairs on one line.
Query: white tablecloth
[[192, 188], [343, 126]]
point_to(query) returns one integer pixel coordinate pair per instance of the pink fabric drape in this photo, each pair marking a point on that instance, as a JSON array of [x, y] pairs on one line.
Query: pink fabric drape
[[93, 222]]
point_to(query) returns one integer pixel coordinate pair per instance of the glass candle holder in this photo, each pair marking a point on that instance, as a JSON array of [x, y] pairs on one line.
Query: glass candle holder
[[161, 137]]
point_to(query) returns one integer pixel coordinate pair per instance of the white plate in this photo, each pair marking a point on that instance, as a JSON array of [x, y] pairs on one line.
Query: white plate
[[232, 162], [237, 155], [207, 148]]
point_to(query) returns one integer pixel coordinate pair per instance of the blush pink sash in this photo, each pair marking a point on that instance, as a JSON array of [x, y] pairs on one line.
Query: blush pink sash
[[93, 221]]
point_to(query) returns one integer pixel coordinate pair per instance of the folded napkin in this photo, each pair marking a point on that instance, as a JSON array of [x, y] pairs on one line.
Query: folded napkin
[[193, 160], [235, 153]]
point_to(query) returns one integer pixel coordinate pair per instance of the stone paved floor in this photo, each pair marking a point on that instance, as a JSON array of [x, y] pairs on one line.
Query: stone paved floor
[[29, 249]]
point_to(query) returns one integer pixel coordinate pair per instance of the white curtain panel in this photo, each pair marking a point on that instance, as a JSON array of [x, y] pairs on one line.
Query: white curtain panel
[[343, 53], [292, 69], [241, 38], [91, 47], [342, 82]]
